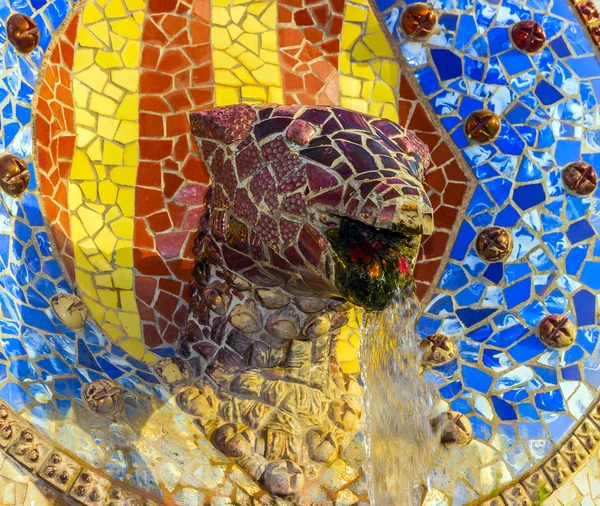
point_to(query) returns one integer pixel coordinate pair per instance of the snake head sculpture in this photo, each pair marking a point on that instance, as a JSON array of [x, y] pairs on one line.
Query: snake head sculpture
[[321, 200], [310, 210]]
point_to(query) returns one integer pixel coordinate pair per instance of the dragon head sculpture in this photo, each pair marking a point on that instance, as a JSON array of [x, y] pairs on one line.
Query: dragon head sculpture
[[311, 210], [325, 201]]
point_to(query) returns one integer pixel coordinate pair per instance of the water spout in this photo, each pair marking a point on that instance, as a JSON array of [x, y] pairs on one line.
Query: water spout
[[398, 403]]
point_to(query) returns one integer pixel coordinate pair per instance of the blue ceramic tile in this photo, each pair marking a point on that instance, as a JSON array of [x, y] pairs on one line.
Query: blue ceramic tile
[[15, 396], [37, 318], [476, 379], [85, 357], [384, 5], [449, 66], [550, 401], [560, 47], [527, 349], [22, 370], [494, 272], [54, 365], [517, 293], [504, 410], [451, 390], [580, 231], [528, 196], [558, 426], [70, 388]]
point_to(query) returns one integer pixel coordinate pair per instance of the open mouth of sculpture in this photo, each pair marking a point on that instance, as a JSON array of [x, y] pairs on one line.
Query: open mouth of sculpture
[[372, 264]]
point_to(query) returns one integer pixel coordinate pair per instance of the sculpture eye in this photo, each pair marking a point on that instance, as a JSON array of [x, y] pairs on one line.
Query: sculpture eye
[[329, 221]]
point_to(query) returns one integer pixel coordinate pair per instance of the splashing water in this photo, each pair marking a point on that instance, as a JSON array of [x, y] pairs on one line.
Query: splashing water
[[398, 403]]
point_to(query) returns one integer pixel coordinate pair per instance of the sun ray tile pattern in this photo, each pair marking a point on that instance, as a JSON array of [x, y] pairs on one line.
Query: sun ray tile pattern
[[102, 179], [43, 365], [17, 303], [156, 232]]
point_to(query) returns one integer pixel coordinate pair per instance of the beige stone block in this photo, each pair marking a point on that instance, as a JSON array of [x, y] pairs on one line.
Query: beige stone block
[[11, 472], [34, 497]]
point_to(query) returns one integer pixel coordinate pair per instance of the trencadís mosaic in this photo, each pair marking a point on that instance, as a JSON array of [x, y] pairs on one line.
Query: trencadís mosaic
[[522, 398]]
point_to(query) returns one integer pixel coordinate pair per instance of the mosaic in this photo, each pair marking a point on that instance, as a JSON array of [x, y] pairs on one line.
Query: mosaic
[[520, 396], [105, 189], [296, 196]]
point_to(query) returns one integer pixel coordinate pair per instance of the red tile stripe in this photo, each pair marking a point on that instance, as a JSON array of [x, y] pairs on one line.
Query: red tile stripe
[[309, 45], [176, 78]]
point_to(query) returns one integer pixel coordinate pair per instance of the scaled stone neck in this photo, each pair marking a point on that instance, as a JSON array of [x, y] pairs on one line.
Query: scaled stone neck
[[261, 380], [256, 366], [233, 321]]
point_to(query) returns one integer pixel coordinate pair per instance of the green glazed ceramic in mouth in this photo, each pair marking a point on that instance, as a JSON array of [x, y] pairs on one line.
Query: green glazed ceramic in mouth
[[371, 264]]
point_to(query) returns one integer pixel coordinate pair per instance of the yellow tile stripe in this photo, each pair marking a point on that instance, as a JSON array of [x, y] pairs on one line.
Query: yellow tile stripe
[[245, 55], [349, 343], [369, 74], [103, 174], [369, 78], [246, 70]]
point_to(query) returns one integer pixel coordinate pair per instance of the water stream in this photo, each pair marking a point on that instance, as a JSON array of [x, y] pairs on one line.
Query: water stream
[[398, 403]]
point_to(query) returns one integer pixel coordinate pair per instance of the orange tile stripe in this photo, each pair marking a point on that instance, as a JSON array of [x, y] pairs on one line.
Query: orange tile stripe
[[55, 140]]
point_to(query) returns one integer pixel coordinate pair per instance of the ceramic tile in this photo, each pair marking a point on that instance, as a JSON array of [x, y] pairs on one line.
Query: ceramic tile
[[442, 68], [107, 70]]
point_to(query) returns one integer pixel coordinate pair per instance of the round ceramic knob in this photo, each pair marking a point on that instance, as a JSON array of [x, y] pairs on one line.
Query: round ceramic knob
[[173, 370], [321, 446], [528, 36], [14, 175], [233, 441], [418, 21], [284, 324], [453, 427], [493, 244], [22, 32], [70, 310], [557, 331], [246, 318], [581, 178], [104, 397], [343, 415], [437, 350], [482, 126], [272, 298], [198, 401], [283, 477]]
